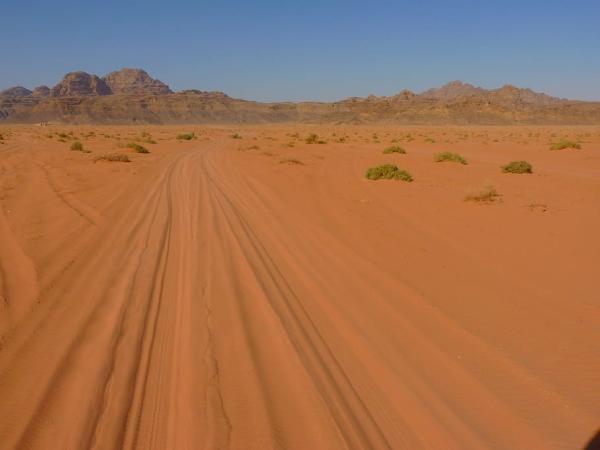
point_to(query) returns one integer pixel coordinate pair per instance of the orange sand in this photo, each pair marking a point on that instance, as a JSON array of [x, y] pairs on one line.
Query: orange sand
[[208, 296]]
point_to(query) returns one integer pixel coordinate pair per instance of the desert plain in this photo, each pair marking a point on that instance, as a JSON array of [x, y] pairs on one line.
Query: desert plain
[[247, 287]]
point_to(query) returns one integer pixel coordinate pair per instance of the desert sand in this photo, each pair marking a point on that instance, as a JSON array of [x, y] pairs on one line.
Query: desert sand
[[247, 290]]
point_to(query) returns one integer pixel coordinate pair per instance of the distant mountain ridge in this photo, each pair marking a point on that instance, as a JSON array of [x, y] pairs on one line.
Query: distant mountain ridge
[[132, 96]]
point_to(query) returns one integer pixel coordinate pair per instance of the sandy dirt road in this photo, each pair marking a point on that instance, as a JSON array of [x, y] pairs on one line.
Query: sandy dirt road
[[217, 302]]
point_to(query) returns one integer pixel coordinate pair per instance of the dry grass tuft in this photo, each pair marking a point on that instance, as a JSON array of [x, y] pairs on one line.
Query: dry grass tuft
[[487, 194], [138, 148], [394, 149], [291, 161], [312, 139], [517, 167], [78, 147], [449, 157], [565, 143], [112, 157]]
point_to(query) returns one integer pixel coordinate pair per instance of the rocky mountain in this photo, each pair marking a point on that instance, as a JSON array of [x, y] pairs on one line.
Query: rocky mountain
[[131, 96], [134, 82], [453, 90], [41, 91], [507, 93], [80, 84], [17, 91], [519, 95]]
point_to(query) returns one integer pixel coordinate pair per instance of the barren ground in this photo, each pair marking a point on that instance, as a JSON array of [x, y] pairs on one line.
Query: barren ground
[[258, 292]]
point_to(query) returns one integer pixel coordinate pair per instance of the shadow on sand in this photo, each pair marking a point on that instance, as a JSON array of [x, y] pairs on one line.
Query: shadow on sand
[[594, 443]]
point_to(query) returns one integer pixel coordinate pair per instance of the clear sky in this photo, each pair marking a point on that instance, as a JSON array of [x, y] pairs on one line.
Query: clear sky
[[301, 50]]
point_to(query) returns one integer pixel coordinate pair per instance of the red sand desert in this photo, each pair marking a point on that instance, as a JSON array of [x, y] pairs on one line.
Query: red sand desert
[[247, 290]]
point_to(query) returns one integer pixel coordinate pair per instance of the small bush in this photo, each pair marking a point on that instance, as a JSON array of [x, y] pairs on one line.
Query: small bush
[[138, 148], [430, 140], [487, 193], [186, 136], [77, 146], [450, 157], [565, 143], [388, 172], [312, 139], [113, 157], [394, 149], [236, 136], [517, 167]]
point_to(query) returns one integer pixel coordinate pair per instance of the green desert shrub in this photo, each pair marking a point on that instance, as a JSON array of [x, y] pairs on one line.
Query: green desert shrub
[[138, 148], [387, 172], [450, 157], [186, 136], [113, 157], [517, 167], [565, 143], [394, 149]]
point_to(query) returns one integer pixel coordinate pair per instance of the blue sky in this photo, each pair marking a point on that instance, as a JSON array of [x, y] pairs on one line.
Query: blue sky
[[301, 50]]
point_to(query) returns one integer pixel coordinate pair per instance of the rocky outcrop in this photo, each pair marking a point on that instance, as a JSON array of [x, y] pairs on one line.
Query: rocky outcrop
[[135, 82], [404, 95], [512, 94], [80, 84], [453, 90], [41, 91], [17, 91]]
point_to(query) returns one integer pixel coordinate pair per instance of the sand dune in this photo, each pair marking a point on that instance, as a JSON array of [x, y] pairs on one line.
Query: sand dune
[[209, 295]]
